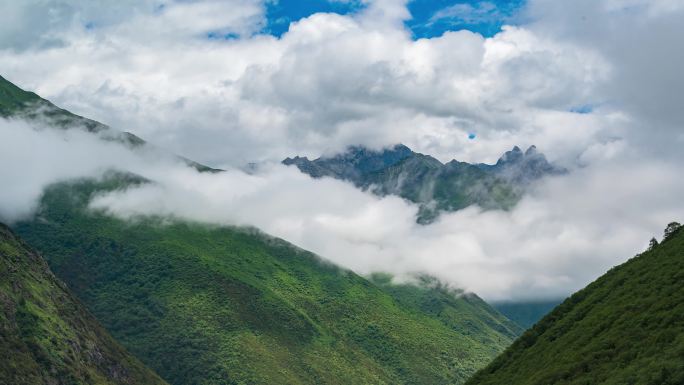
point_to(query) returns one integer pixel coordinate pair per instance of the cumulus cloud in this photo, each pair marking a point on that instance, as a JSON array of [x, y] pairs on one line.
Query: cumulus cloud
[[640, 40], [331, 81]]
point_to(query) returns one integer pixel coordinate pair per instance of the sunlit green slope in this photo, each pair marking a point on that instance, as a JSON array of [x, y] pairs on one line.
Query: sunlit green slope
[[625, 328], [46, 335]]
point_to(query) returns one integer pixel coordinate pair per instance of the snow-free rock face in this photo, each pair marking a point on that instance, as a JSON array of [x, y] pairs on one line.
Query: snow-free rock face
[[433, 185], [523, 168], [352, 165]]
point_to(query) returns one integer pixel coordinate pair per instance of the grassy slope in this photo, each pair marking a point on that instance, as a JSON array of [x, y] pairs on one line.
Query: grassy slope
[[625, 328], [47, 336], [464, 312], [207, 305]]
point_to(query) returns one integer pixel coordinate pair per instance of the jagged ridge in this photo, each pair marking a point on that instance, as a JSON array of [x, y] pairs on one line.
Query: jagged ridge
[[425, 180]]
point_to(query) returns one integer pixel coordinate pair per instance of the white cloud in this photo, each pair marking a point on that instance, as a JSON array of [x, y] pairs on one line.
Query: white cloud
[[554, 242], [331, 81], [32, 157], [483, 11]]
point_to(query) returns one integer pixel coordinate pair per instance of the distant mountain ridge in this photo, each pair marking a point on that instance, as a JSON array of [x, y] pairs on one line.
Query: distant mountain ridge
[[435, 186]]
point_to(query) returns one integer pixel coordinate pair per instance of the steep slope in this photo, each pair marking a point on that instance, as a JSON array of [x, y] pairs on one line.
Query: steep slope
[[216, 305], [46, 335], [436, 187], [627, 327], [461, 311]]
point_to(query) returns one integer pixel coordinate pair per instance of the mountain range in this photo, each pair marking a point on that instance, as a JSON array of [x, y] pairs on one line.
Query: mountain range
[[202, 304], [435, 186], [161, 300]]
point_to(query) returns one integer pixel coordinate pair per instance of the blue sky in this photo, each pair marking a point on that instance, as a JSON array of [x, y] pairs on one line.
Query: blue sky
[[281, 13], [430, 17], [434, 17]]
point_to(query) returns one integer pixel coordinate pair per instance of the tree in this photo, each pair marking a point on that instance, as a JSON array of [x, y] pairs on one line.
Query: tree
[[652, 244], [671, 229]]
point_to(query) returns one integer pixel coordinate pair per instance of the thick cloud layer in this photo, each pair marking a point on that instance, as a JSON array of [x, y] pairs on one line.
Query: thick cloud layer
[[331, 81], [553, 243], [595, 84]]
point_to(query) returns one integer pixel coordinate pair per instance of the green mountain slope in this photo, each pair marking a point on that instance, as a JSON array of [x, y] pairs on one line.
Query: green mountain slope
[[627, 327], [464, 312], [216, 305], [46, 335]]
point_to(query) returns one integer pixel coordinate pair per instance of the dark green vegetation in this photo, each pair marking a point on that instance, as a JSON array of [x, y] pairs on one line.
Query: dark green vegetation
[[216, 305], [461, 311], [627, 327], [526, 313], [435, 186], [46, 335]]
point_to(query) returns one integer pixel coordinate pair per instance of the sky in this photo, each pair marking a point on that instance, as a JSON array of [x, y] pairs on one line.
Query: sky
[[595, 84]]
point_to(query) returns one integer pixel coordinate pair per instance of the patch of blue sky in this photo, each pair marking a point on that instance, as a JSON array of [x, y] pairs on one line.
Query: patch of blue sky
[[432, 18], [222, 36], [429, 18], [583, 109], [280, 13]]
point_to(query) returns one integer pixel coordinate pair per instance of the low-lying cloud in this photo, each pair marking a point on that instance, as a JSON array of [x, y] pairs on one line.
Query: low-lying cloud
[[554, 242]]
